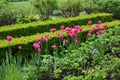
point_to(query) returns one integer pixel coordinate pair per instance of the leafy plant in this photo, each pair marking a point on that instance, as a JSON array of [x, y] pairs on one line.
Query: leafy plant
[[71, 8], [45, 8]]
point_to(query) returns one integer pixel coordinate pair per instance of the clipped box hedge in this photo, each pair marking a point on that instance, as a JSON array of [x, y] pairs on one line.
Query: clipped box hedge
[[20, 30], [27, 41]]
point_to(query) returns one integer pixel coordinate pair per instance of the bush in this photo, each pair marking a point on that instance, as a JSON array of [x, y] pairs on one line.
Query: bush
[[45, 7], [23, 18], [71, 8], [109, 6], [45, 26], [7, 16]]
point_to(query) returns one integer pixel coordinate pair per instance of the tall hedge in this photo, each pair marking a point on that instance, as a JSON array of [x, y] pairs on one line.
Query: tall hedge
[[40, 27], [27, 42]]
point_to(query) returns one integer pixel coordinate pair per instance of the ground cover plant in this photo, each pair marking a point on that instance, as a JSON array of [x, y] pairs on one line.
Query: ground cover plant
[[94, 59]]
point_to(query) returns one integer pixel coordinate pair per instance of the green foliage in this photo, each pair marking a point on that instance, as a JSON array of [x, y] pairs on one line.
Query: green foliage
[[3, 3], [71, 8], [45, 7], [23, 18], [20, 30], [109, 6], [7, 15], [11, 68]]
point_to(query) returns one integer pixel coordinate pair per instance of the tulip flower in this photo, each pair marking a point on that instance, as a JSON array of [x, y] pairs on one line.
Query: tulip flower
[[9, 38], [53, 30]]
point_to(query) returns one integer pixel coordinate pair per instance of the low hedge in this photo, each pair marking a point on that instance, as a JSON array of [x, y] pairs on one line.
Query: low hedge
[[20, 30], [27, 41]]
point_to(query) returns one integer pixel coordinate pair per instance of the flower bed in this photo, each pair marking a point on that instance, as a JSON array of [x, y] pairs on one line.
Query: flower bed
[[27, 42]]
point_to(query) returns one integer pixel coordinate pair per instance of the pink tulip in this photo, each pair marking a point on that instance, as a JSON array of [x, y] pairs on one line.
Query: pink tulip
[[38, 49], [78, 27], [9, 38], [99, 28], [60, 35], [46, 39], [99, 21], [89, 34], [105, 26], [97, 33], [101, 31], [41, 38], [75, 30], [53, 30], [97, 25], [73, 34], [47, 35], [68, 30], [62, 27], [67, 41], [76, 40], [39, 42], [19, 47], [54, 47], [92, 30], [36, 45], [89, 22]]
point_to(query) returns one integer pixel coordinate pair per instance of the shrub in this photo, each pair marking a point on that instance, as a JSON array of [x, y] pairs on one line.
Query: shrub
[[71, 8], [109, 6], [45, 26], [7, 16], [45, 7]]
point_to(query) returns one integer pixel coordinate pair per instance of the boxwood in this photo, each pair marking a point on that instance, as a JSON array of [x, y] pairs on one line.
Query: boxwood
[[20, 30]]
